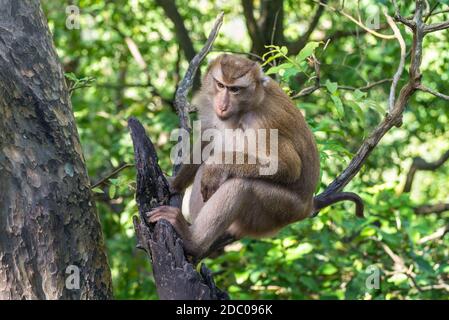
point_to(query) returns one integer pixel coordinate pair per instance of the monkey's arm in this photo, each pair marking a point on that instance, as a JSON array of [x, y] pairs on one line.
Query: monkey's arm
[[285, 167], [184, 178], [186, 173]]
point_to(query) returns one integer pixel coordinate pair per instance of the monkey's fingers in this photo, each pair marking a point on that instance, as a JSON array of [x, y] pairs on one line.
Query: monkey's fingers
[[161, 212], [173, 219]]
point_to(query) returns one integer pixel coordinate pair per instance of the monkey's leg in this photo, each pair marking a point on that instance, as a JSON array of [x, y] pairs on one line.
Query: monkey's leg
[[214, 218], [240, 206], [219, 212]]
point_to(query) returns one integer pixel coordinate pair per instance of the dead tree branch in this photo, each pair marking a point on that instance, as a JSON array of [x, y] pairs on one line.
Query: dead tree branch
[[175, 276]]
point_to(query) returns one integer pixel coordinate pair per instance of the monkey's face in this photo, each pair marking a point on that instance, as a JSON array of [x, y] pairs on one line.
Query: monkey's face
[[234, 88]]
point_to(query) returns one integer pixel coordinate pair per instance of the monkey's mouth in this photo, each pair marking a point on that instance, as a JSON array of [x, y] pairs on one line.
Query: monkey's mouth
[[223, 114]]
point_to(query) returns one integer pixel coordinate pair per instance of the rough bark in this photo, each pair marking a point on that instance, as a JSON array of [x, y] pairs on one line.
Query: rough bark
[[174, 275], [48, 219]]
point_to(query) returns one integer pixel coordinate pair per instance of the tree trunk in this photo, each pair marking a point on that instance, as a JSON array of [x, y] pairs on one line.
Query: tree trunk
[[49, 228]]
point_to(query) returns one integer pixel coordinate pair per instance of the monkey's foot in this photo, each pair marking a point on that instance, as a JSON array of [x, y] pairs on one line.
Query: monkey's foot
[[172, 215], [177, 220]]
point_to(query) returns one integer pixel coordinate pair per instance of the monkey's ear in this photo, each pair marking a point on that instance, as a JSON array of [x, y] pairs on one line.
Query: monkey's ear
[[261, 75]]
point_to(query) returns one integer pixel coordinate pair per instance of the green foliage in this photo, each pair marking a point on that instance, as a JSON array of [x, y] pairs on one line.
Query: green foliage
[[322, 258]]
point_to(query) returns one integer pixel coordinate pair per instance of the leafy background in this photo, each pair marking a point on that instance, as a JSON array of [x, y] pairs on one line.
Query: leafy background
[[322, 258]]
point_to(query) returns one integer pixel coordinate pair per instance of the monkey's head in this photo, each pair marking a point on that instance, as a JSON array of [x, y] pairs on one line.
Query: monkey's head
[[236, 85]]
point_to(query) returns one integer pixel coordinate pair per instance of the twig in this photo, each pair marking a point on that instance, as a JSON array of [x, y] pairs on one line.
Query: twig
[[440, 233], [110, 175], [400, 69], [367, 87], [397, 16], [431, 11], [436, 27], [433, 92], [311, 89]]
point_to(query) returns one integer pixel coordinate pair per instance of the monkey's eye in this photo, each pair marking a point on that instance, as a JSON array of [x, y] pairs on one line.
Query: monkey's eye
[[220, 85], [234, 89]]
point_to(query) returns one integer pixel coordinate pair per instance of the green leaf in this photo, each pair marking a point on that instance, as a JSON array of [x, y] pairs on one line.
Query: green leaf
[[331, 86], [299, 251], [279, 68], [374, 105], [359, 94], [97, 190], [289, 73], [112, 190], [310, 283], [71, 76], [307, 51], [284, 50], [398, 278], [357, 109], [338, 106], [328, 269], [271, 58]]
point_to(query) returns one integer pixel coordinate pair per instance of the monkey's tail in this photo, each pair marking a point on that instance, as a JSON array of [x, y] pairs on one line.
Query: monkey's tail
[[325, 201]]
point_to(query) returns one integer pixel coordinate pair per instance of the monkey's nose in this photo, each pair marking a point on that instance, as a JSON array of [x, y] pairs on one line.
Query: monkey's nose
[[223, 107]]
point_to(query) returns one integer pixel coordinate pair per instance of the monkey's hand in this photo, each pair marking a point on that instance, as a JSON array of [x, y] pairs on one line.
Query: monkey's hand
[[213, 177], [177, 220], [172, 185]]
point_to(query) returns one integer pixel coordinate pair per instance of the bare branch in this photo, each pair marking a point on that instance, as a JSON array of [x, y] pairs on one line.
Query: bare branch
[[439, 234], [397, 16], [351, 33], [436, 27], [110, 175], [181, 104], [435, 93], [432, 208], [421, 164], [367, 87], [400, 69], [405, 21]]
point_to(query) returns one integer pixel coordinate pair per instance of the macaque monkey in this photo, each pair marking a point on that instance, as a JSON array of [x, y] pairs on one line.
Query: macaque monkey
[[236, 198]]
